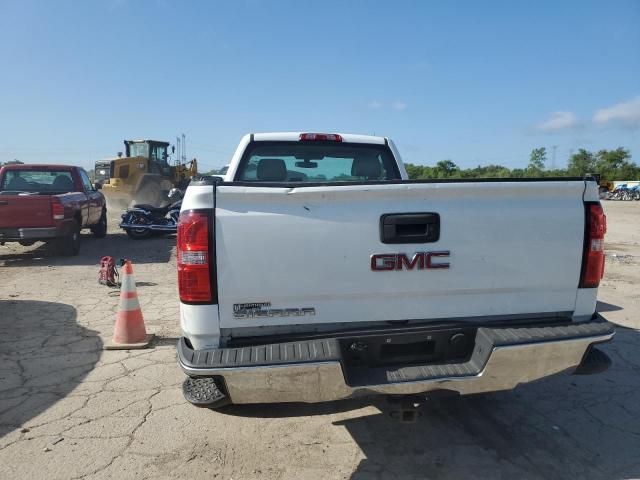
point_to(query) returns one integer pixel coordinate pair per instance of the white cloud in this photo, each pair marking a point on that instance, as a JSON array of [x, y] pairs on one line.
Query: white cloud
[[376, 105], [558, 121], [626, 114]]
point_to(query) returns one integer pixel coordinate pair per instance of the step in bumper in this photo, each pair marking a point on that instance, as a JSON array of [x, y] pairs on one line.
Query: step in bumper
[[34, 233], [313, 370]]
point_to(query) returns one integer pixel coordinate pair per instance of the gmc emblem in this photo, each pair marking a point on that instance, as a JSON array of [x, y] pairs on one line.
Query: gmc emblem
[[400, 261]]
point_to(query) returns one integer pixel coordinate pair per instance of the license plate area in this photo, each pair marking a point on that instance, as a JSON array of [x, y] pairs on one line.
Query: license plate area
[[410, 348]]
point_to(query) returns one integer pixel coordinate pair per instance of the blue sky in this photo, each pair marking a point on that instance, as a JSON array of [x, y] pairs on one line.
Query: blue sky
[[476, 82]]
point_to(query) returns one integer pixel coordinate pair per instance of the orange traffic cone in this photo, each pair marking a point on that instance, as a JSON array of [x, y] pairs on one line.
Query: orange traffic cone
[[129, 331]]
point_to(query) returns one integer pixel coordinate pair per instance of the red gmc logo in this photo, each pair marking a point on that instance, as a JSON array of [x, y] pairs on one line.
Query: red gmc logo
[[400, 261]]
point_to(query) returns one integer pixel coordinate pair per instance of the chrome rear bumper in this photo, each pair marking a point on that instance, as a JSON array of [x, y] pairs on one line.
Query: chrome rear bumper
[[313, 371], [33, 233]]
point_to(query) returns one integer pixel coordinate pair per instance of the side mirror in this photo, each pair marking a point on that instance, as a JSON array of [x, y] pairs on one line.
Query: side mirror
[[97, 186]]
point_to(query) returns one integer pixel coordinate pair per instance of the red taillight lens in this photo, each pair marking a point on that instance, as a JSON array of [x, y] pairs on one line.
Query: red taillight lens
[[320, 137], [593, 260], [194, 277], [57, 210]]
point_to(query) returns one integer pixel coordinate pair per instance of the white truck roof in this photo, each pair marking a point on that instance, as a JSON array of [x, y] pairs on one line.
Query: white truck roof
[[295, 136]]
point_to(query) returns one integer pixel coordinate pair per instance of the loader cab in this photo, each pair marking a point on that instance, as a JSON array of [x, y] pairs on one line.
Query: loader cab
[[102, 172], [155, 152]]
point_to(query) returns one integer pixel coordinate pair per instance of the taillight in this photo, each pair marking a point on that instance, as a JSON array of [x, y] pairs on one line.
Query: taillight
[[57, 209], [593, 259], [320, 137], [194, 276]]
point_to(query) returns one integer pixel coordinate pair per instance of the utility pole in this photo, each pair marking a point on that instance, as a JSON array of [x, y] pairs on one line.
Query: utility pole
[[553, 156]]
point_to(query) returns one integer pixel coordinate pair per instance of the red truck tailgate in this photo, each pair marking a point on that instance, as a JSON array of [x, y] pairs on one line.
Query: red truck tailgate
[[25, 211]]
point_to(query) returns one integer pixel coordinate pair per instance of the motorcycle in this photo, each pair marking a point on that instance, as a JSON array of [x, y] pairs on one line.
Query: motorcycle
[[624, 192], [143, 220]]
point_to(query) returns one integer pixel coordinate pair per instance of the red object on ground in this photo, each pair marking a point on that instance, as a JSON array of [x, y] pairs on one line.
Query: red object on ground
[[108, 272]]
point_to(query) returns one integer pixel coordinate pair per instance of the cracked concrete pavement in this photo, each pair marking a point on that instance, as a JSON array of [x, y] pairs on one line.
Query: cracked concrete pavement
[[68, 409]]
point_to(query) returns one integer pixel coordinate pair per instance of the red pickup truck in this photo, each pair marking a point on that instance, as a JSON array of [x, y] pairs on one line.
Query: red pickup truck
[[49, 203]]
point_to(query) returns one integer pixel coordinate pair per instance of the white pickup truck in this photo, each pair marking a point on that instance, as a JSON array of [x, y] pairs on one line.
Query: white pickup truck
[[316, 271]]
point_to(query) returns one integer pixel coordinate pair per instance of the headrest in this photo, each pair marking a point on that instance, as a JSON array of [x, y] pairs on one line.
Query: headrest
[[62, 182], [17, 183], [368, 167], [272, 170]]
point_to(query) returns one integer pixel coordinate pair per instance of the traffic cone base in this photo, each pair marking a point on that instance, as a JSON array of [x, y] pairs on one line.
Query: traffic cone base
[[129, 332], [112, 345]]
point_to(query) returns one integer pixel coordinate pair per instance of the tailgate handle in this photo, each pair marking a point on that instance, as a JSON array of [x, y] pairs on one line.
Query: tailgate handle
[[410, 227], [4, 202]]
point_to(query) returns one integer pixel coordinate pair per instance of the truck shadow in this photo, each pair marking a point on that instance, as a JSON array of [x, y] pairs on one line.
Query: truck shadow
[[290, 410], [562, 427], [607, 307], [157, 249], [577, 426], [44, 355]]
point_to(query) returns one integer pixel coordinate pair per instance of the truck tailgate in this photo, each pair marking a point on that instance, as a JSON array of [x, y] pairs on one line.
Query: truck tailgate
[[514, 248], [25, 211]]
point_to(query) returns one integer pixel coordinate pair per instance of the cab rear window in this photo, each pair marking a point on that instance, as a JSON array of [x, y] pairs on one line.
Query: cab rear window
[[37, 181], [316, 163]]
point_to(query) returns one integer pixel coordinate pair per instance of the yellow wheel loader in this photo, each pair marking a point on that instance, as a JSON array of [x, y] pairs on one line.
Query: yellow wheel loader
[[604, 186], [143, 175]]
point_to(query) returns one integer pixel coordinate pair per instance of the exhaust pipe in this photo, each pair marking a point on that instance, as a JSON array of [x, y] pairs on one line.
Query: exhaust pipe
[[157, 228]]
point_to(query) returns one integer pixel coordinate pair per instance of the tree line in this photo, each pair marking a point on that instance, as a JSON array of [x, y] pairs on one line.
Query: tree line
[[610, 164]]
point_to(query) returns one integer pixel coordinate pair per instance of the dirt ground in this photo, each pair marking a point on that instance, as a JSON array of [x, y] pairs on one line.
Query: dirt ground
[[69, 409]]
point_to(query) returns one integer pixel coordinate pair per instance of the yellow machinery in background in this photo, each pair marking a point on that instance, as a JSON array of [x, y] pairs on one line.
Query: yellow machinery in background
[[143, 175], [604, 186]]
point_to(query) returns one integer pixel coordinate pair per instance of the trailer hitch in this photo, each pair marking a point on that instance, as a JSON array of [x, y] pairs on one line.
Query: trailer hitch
[[405, 408]]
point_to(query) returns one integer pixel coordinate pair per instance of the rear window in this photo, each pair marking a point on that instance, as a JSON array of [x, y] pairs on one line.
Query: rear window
[[37, 181], [316, 163]]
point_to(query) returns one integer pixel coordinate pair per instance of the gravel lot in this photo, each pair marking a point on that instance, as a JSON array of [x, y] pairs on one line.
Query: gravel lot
[[68, 409]]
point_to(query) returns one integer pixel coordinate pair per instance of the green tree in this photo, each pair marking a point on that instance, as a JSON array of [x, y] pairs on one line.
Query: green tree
[[536, 161], [614, 164], [629, 171], [611, 164], [487, 171], [414, 171], [581, 163], [612, 159], [446, 169]]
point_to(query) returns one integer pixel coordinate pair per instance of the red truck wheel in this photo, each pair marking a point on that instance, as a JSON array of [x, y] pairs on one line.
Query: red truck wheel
[[69, 245], [99, 230]]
